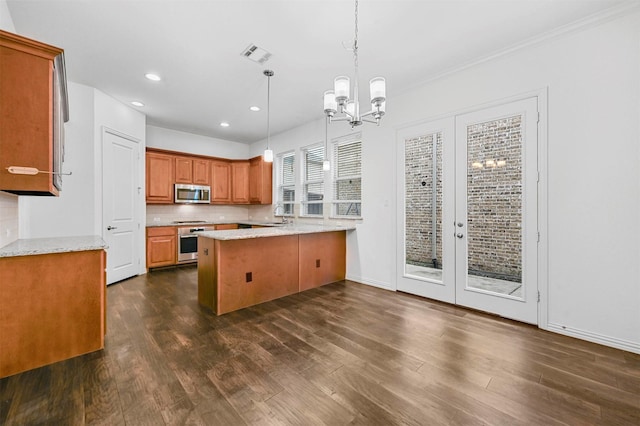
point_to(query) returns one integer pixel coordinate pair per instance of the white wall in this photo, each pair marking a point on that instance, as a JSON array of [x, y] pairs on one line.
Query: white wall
[[73, 212], [6, 22], [174, 140], [9, 210], [593, 234]]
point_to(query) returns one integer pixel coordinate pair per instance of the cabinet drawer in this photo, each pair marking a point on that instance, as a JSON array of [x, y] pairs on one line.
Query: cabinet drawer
[[160, 231]]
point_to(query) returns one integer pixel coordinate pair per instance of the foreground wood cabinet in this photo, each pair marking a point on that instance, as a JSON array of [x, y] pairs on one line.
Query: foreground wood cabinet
[[52, 307], [159, 178], [162, 248], [33, 108]]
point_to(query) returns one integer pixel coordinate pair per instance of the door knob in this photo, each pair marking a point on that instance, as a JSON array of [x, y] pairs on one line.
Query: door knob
[[459, 235], [109, 228]]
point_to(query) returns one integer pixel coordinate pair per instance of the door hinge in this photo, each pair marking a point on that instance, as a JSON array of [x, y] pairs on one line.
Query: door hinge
[[538, 236], [538, 177], [538, 296], [538, 117]]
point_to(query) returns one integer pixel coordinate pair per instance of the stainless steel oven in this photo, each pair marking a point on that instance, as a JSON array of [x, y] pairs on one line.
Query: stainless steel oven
[[188, 243]]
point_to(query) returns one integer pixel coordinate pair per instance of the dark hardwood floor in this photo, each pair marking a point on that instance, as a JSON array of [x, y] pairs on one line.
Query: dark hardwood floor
[[342, 354]]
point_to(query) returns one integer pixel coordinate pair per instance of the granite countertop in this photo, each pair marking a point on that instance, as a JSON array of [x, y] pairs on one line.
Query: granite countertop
[[34, 246], [214, 222], [276, 231]]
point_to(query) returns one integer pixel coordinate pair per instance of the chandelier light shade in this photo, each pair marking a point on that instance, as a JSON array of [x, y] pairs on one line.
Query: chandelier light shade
[[339, 106], [268, 153]]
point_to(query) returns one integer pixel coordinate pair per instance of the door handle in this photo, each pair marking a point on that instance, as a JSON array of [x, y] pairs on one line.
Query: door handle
[[459, 235], [109, 228]]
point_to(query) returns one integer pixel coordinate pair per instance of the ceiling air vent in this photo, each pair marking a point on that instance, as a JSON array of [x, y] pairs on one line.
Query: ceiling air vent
[[256, 54]]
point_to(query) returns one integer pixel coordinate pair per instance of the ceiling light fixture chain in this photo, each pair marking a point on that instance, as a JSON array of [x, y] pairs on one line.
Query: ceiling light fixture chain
[[268, 153], [337, 101]]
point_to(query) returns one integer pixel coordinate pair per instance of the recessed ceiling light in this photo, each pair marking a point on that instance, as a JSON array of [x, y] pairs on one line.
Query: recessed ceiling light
[[224, 124], [153, 77], [137, 103], [254, 108]]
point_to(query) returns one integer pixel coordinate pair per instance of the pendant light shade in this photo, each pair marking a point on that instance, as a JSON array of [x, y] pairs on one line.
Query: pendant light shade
[[268, 155]]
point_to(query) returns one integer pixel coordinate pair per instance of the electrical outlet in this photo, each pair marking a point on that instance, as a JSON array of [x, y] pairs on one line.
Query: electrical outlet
[[317, 263], [249, 277], [156, 219], [221, 217]]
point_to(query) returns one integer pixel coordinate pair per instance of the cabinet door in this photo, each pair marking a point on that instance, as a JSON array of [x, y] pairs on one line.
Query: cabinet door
[[240, 182], [201, 172], [221, 182], [27, 114], [260, 181], [160, 175], [184, 170], [162, 249]]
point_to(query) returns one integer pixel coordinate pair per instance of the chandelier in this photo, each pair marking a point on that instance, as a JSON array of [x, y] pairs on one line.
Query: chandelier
[[337, 101]]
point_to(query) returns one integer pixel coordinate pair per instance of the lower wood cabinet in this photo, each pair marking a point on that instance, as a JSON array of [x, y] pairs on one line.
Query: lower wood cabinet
[[162, 248], [52, 307]]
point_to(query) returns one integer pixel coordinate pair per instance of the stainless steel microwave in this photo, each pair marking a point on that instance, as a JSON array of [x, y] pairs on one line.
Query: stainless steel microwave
[[196, 194]]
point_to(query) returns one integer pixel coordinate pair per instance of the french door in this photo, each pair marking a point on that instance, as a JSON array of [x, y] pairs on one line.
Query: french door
[[468, 216]]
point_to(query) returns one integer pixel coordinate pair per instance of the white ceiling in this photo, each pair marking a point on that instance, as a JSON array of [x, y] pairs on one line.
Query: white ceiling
[[195, 46]]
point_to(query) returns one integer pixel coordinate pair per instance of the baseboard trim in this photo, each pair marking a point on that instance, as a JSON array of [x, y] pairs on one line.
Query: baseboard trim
[[373, 283], [601, 339]]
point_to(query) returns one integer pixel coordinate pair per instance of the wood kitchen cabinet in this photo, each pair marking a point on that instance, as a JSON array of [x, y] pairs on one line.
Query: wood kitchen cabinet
[[184, 170], [240, 182], [33, 109], [52, 308], [260, 181], [201, 172], [162, 248], [191, 170], [159, 178], [220, 182]]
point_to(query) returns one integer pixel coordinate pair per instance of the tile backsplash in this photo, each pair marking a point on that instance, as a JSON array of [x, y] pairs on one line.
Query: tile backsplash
[[8, 218], [170, 212]]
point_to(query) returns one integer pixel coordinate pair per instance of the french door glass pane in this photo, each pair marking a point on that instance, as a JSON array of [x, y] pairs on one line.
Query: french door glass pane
[[423, 207], [494, 206]]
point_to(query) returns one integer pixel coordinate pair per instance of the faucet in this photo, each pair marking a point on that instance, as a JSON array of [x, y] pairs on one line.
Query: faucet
[[278, 205]]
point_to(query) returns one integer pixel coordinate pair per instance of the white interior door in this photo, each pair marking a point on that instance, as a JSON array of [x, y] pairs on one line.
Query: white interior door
[[467, 228], [121, 189], [496, 210]]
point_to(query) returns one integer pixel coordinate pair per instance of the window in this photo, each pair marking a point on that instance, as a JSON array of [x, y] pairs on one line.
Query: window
[[286, 183], [312, 180], [347, 178]]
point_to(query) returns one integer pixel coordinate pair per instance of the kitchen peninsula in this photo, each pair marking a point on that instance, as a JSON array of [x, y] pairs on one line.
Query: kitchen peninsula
[[245, 267]]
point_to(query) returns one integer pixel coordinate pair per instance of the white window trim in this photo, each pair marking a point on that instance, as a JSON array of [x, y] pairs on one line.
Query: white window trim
[[303, 183], [280, 186], [354, 137]]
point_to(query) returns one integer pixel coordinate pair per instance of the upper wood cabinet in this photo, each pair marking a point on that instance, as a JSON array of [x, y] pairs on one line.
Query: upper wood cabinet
[[192, 171], [184, 170], [201, 172], [231, 181], [240, 182], [260, 181], [33, 108], [160, 178], [220, 182]]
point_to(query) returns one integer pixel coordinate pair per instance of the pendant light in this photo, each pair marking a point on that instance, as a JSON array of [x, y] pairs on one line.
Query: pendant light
[[268, 153], [337, 101]]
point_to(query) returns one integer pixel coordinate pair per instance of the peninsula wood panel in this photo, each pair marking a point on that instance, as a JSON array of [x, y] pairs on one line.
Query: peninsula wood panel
[[52, 307], [322, 258], [268, 260]]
